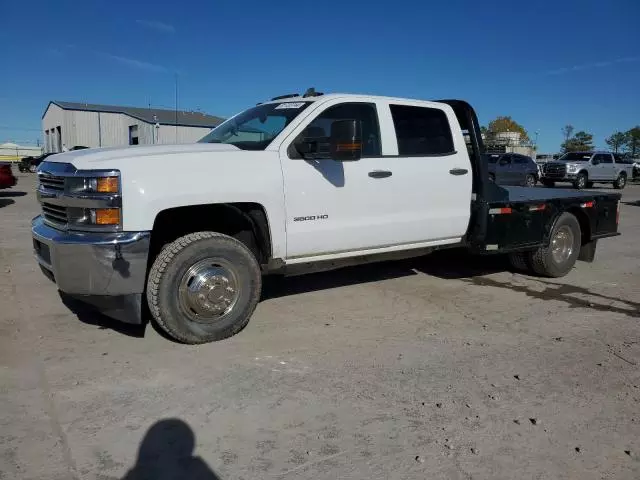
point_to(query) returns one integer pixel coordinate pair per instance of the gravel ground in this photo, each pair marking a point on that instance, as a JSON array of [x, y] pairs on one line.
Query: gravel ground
[[442, 367]]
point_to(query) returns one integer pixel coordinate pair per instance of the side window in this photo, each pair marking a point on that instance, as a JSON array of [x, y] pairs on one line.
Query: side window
[[517, 159], [421, 130], [505, 160], [606, 158], [366, 113]]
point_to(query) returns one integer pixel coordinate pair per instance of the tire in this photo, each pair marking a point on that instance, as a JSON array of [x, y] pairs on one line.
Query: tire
[[543, 260], [530, 181], [33, 168], [520, 261], [175, 288], [620, 182], [581, 181], [589, 184], [548, 183]]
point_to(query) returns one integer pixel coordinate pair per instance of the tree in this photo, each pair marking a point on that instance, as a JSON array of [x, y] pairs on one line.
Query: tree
[[567, 131], [507, 124], [580, 142], [633, 141], [616, 141]]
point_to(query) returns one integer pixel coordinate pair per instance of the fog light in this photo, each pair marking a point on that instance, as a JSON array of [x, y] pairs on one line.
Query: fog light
[[107, 216]]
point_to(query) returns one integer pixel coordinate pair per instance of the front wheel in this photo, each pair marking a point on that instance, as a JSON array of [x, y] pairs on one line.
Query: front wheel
[[558, 258], [620, 182], [580, 182], [204, 287]]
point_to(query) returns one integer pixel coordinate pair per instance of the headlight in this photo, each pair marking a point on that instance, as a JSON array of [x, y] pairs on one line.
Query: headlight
[[99, 206], [572, 168], [93, 184]]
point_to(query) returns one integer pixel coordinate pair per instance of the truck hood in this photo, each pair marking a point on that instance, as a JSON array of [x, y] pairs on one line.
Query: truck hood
[[98, 158]]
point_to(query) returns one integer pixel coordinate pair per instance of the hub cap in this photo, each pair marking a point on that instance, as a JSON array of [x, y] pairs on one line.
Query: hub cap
[[209, 290], [621, 180], [562, 244], [530, 181], [582, 181]]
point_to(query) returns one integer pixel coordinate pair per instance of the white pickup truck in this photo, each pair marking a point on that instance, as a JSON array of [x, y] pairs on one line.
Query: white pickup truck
[[299, 181]]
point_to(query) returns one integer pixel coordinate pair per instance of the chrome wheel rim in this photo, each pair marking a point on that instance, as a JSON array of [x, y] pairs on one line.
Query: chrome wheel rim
[[530, 181], [209, 290], [582, 181], [621, 181], [562, 244]]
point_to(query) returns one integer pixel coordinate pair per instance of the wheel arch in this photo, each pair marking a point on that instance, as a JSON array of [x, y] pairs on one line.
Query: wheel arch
[[246, 221], [583, 221]]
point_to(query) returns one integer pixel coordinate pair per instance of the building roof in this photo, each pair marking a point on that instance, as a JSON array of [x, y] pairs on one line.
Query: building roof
[[149, 115]]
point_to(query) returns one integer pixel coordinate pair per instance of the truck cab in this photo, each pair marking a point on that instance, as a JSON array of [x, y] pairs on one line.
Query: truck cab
[[295, 182]]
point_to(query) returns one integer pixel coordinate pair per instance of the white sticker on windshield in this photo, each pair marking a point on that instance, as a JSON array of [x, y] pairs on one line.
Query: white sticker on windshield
[[282, 106]]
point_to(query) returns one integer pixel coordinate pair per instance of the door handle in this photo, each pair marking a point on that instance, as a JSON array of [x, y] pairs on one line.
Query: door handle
[[380, 174], [458, 171]]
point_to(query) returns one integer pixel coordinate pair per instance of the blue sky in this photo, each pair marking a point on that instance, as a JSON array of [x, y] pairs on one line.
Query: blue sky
[[545, 63]]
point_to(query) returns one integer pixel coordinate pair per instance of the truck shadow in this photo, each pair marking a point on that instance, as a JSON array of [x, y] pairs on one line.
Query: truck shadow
[[89, 315], [449, 264], [633, 204], [5, 202], [567, 294]]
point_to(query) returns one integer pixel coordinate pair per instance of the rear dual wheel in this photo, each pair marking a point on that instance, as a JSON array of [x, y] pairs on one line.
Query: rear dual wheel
[[559, 257]]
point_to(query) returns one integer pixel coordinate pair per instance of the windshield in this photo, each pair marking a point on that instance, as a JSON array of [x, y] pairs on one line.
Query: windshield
[[575, 157], [254, 129]]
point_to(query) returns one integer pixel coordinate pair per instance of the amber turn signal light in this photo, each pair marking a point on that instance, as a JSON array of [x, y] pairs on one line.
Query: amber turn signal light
[[107, 185], [107, 216]]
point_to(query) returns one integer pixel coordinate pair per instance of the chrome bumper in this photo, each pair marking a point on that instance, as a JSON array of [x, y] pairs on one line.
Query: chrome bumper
[[107, 270]]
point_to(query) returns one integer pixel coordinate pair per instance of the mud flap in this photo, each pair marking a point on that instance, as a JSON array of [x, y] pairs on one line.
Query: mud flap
[[588, 251]]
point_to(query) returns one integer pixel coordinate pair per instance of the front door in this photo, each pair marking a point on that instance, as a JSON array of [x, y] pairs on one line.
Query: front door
[[401, 192]]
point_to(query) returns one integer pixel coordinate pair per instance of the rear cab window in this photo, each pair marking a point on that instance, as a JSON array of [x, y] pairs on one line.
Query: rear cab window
[[421, 131]]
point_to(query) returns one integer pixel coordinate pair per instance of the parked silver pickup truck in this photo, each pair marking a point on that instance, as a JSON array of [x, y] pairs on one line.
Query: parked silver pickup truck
[[583, 169]]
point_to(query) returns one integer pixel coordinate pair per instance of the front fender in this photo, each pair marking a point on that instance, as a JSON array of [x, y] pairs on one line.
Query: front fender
[[256, 177]]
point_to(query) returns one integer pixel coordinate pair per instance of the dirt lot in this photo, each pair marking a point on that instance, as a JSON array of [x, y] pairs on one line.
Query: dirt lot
[[441, 367]]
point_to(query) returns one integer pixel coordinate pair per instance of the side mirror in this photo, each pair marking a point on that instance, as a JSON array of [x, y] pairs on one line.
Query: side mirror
[[345, 142], [504, 162]]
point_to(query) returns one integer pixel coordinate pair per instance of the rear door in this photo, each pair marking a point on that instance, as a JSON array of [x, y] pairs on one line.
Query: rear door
[[519, 168], [597, 171], [608, 167], [504, 170]]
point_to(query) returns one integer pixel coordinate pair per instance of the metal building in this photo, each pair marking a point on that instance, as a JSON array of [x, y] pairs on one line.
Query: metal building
[[69, 124]]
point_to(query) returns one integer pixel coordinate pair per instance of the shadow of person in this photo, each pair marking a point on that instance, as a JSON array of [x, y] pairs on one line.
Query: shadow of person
[[166, 453]]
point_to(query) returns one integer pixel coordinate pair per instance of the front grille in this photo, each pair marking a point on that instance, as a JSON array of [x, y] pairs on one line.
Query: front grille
[[51, 182], [54, 214], [555, 170]]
